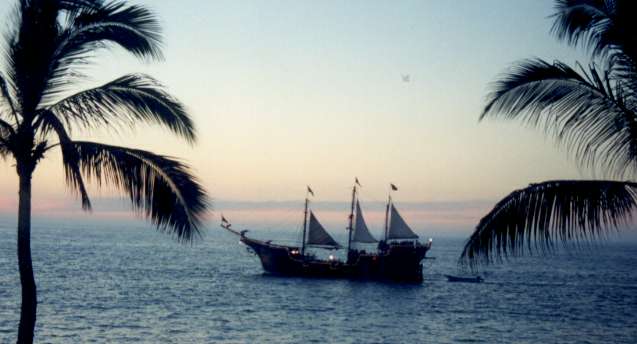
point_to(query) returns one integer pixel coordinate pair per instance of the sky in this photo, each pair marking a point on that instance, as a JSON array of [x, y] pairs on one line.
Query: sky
[[286, 94]]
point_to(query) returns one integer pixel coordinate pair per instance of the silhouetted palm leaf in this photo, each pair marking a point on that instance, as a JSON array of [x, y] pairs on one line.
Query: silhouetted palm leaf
[[586, 112], [536, 217], [43, 55], [76, 5], [6, 130], [134, 28], [604, 26], [47, 45], [607, 28], [160, 187], [7, 100], [594, 113], [4, 151], [29, 47], [128, 100], [70, 156], [5, 134]]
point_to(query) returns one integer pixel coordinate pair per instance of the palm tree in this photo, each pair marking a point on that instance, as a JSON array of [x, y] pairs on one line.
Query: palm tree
[[48, 44], [592, 111]]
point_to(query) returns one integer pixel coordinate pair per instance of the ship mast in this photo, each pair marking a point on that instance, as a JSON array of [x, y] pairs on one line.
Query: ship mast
[[351, 223], [387, 215], [307, 201], [391, 187]]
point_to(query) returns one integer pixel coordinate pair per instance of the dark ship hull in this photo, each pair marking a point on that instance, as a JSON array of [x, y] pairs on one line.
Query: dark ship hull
[[396, 262], [399, 257]]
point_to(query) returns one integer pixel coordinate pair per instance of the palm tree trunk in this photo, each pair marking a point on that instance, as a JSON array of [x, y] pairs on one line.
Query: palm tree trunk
[[29, 295]]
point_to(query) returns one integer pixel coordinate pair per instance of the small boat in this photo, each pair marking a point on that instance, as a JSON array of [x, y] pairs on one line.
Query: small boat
[[398, 257], [476, 279]]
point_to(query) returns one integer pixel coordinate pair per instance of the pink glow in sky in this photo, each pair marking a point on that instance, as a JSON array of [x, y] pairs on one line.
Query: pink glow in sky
[[286, 94]]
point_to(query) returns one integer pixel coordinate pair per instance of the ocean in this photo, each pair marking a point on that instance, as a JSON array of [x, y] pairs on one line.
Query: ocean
[[110, 282]]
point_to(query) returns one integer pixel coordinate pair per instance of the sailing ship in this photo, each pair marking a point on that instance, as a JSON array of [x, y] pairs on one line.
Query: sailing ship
[[398, 257]]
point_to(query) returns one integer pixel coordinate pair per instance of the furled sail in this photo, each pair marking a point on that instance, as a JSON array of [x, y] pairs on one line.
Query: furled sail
[[361, 233], [318, 236], [398, 228]]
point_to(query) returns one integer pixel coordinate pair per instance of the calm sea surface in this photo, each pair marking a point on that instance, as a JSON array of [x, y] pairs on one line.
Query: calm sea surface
[[109, 283]]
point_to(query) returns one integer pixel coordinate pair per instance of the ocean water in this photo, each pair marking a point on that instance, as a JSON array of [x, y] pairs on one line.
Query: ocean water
[[106, 282]]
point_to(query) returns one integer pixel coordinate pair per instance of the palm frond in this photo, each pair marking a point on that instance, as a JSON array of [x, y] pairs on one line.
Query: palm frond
[[29, 46], [607, 28], [600, 25], [6, 134], [70, 157], [4, 151], [132, 27], [583, 21], [6, 138], [625, 73], [7, 98], [541, 215], [588, 113], [160, 187], [95, 26], [74, 6], [6, 130], [128, 100]]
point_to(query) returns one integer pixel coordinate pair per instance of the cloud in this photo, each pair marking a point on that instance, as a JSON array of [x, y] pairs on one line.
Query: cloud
[[70, 207], [424, 217]]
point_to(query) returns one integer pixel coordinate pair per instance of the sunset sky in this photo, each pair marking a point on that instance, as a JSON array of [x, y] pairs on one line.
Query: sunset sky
[[290, 93]]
